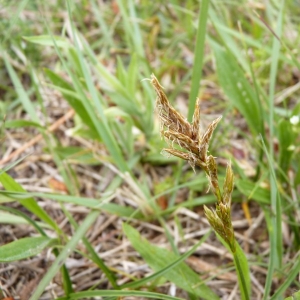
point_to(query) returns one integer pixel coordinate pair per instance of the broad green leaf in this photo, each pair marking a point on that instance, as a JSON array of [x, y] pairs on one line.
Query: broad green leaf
[[24, 248], [158, 258]]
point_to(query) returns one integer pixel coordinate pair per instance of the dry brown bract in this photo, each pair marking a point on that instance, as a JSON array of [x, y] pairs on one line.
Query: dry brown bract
[[188, 136]]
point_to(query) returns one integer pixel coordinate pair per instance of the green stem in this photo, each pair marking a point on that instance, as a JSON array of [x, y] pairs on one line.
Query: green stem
[[242, 282]]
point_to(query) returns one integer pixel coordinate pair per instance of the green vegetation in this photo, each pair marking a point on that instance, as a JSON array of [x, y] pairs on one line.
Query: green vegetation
[[87, 194]]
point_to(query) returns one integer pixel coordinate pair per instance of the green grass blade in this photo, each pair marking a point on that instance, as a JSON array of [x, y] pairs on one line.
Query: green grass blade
[[102, 24], [11, 185], [25, 248], [291, 276], [112, 293], [238, 89], [198, 60], [25, 218], [48, 40], [275, 232], [70, 246], [274, 226], [102, 127], [13, 21], [160, 273], [131, 27], [23, 97], [287, 138], [159, 258], [100, 204], [93, 254]]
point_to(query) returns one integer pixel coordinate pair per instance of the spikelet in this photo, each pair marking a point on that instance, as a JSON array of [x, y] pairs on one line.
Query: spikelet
[[169, 117]]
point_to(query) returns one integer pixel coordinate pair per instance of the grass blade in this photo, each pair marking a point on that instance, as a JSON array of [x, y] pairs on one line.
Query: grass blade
[[238, 89], [29, 203], [25, 248], [288, 281], [275, 233], [27, 104], [64, 254], [112, 293], [165, 270], [159, 258], [198, 60]]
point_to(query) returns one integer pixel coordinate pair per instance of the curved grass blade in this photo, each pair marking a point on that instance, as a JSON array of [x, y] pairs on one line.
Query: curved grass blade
[[138, 283], [159, 258], [112, 293], [10, 184], [70, 246]]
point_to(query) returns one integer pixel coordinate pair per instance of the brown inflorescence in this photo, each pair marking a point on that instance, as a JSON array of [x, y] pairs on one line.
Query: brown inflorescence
[[194, 149]]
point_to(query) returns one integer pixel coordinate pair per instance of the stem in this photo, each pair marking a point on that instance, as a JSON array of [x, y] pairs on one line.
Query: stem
[[242, 283]]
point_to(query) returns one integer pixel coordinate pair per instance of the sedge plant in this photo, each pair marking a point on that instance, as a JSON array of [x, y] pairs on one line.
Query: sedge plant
[[193, 147]]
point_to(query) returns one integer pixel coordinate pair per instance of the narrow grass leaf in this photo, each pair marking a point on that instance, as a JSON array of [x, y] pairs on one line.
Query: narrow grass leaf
[[131, 27], [117, 293], [13, 18], [287, 141], [24, 248], [198, 57], [160, 273], [291, 276], [100, 204], [22, 124], [71, 96], [67, 250], [253, 191], [93, 255], [16, 216], [97, 108], [158, 258], [11, 185], [238, 89], [48, 40], [275, 232], [274, 226], [105, 30], [22, 94]]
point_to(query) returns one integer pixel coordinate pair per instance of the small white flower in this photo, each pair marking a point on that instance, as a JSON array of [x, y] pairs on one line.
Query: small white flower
[[294, 120]]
